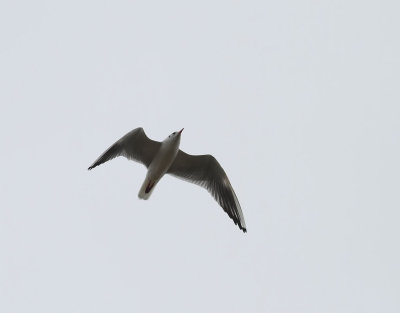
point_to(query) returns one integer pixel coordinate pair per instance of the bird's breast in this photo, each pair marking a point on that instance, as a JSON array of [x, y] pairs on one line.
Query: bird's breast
[[162, 160]]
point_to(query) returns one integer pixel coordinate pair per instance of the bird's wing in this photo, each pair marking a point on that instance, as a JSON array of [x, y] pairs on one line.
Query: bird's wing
[[205, 171], [135, 145]]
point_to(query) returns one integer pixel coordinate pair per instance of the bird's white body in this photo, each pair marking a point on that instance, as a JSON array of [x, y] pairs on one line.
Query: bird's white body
[[159, 166]]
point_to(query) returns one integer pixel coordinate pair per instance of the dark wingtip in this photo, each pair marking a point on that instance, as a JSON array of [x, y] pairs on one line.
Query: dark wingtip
[[93, 166]]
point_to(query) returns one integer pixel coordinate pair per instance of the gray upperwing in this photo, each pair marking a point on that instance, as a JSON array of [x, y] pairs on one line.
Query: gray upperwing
[[135, 145], [205, 171]]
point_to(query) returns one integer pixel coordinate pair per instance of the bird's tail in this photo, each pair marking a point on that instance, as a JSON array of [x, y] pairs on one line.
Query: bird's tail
[[146, 189]]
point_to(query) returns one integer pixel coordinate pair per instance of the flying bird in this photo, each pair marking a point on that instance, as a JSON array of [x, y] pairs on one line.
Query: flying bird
[[166, 158]]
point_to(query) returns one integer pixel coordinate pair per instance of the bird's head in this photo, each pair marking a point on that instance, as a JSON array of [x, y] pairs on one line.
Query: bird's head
[[174, 137]]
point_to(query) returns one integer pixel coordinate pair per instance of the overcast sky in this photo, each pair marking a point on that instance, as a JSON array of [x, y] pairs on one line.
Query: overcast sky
[[299, 102]]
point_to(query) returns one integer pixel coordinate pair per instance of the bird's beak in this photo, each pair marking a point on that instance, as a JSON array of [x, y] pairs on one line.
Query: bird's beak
[[181, 131]]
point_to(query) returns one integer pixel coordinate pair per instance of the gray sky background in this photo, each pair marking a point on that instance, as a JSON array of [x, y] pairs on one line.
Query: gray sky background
[[299, 102]]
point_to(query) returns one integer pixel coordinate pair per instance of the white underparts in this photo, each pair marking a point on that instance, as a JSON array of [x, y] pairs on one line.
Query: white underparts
[[159, 166]]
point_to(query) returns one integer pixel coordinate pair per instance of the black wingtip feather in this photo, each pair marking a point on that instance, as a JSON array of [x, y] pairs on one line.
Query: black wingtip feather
[[92, 166], [237, 222]]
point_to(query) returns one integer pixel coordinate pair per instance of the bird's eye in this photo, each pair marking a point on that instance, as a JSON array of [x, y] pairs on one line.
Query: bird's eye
[[173, 133]]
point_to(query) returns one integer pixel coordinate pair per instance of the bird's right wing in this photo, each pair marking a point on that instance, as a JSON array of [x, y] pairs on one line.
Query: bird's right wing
[[205, 171], [135, 145]]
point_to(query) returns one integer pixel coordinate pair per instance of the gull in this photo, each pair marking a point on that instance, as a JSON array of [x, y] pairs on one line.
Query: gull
[[166, 158]]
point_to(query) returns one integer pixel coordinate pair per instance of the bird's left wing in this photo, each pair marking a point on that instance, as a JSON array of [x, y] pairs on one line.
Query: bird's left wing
[[205, 171], [135, 145]]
